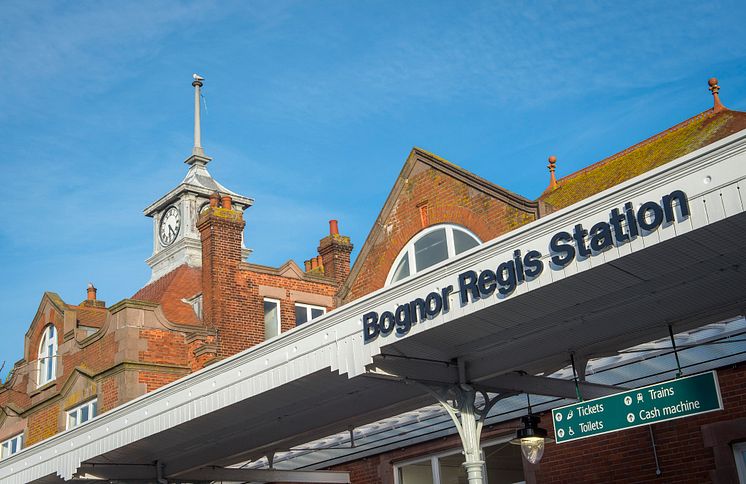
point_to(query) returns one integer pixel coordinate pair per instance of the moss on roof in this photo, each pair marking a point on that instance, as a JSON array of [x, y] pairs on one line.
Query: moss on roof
[[692, 134]]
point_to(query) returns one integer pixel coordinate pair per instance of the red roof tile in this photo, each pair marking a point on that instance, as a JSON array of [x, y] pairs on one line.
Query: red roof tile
[[184, 282]]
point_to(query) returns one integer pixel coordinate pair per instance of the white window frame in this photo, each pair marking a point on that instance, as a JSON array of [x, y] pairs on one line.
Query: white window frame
[[739, 453], [196, 303], [47, 356], [408, 250], [279, 316], [434, 460], [78, 411], [6, 446], [308, 308]]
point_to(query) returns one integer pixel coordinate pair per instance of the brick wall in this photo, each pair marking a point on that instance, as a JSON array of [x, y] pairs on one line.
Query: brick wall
[[164, 347], [43, 423], [109, 395], [157, 379]]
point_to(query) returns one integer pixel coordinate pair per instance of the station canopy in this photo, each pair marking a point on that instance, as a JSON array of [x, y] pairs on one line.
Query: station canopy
[[324, 378]]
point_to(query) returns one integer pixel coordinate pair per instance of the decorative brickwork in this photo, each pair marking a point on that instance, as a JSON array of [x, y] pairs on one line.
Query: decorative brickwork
[[433, 191]]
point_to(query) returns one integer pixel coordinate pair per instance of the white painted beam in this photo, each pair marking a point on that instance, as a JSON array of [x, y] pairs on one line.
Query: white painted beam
[[541, 385]]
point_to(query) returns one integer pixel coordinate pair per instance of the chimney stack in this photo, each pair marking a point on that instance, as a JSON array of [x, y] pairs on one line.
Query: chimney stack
[[221, 231], [334, 251], [91, 300]]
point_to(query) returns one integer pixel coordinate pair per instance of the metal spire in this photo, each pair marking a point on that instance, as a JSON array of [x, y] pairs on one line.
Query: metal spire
[[197, 150], [198, 154]]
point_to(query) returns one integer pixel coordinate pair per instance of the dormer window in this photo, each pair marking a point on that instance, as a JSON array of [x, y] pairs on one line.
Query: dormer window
[[196, 303], [432, 245], [47, 356]]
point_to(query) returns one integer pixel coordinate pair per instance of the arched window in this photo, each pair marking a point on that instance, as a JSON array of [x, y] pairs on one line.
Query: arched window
[[432, 245], [47, 356]]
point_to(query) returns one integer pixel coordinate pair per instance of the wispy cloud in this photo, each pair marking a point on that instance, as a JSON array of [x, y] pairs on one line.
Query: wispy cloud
[[516, 55]]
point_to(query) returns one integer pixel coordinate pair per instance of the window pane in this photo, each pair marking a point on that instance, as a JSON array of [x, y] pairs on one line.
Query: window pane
[[94, 408], [504, 463], [13, 446], [72, 420], [463, 241], [402, 270], [42, 370], [430, 249], [4, 452], [271, 319], [301, 315], [50, 363], [417, 473], [84, 414], [451, 470], [316, 312]]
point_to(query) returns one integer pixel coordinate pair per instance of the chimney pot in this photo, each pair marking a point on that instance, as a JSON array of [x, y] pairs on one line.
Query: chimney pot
[[226, 202], [214, 199], [307, 265], [314, 263], [333, 227], [91, 292]]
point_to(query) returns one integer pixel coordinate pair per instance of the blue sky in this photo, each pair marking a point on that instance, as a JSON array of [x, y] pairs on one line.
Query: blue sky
[[312, 110]]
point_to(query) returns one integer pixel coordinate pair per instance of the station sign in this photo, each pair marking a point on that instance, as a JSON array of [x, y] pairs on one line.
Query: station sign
[[682, 397], [525, 264]]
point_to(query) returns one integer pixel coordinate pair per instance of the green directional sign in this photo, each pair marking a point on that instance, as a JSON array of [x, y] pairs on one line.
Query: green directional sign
[[683, 397]]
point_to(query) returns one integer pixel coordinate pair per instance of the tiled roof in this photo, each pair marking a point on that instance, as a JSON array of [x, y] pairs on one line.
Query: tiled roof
[[184, 282], [685, 137]]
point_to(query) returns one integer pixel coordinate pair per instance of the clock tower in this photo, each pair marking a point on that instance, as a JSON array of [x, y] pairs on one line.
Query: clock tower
[[176, 240]]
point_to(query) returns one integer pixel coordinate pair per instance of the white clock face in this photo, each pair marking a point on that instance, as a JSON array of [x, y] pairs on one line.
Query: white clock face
[[170, 225]]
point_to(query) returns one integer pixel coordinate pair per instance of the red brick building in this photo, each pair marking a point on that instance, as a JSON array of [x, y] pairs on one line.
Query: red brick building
[[205, 303], [85, 359]]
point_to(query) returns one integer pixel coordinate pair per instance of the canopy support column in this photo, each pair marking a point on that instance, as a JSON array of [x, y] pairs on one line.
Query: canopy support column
[[460, 401]]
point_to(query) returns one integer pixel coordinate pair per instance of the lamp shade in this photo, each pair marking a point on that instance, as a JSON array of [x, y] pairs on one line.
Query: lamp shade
[[531, 438]]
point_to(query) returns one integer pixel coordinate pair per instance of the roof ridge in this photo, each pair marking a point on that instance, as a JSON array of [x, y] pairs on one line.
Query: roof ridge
[[704, 114], [470, 177]]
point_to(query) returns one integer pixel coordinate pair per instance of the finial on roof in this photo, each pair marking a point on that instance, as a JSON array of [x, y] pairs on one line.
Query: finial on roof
[[715, 88], [552, 178]]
